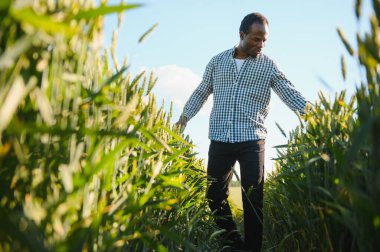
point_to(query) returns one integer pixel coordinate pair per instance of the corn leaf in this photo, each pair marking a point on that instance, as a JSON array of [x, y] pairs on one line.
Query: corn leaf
[[43, 22], [104, 10]]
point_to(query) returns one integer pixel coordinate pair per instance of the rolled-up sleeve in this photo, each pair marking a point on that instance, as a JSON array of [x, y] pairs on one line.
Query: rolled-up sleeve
[[286, 91], [201, 93]]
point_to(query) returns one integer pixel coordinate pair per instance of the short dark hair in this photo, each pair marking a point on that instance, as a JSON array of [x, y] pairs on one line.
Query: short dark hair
[[250, 19]]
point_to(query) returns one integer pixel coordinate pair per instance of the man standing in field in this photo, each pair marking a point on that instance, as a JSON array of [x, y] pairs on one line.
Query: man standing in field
[[241, 80]]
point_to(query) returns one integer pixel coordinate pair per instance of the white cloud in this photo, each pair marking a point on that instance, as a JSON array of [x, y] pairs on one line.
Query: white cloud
[[177, 84]]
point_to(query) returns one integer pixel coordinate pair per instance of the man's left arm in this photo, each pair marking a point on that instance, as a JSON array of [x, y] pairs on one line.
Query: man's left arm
[[287, 92]]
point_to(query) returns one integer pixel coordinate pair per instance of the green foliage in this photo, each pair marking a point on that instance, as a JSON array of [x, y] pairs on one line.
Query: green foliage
[[87, 160], [325, 193], [310, 172]]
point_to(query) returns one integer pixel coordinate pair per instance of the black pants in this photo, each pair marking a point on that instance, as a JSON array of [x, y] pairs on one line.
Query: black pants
[[222, 157]]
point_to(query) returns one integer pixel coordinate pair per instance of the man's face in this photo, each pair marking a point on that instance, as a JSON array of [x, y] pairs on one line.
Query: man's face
[[253, 42]]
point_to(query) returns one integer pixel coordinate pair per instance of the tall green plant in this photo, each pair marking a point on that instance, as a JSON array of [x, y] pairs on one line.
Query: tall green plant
[[326, 192], [87, 159]]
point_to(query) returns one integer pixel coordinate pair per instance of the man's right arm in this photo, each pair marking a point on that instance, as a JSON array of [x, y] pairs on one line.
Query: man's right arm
[[198, 97]]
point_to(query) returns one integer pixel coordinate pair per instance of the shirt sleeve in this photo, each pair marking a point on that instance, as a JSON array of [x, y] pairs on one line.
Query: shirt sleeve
[[287, 92], [200, 94]]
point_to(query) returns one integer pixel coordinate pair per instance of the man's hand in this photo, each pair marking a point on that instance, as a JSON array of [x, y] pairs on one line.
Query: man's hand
[[182, 122]]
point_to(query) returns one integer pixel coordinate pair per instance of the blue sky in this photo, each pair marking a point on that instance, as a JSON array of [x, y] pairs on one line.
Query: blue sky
[[302, 40]]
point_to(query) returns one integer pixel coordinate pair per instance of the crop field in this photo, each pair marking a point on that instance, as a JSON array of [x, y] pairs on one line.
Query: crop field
[[90, 162]]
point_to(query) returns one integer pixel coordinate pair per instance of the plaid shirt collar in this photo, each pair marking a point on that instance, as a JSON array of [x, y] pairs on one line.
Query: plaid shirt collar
[[233, 50]]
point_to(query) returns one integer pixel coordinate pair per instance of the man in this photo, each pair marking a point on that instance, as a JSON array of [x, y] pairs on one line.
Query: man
[[241, 80]]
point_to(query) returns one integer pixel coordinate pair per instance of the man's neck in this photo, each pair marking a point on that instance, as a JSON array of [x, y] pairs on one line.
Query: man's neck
[[239, 54]]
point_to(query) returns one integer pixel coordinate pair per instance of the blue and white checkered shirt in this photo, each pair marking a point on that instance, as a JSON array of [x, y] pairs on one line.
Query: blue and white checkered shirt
[[241, 100]]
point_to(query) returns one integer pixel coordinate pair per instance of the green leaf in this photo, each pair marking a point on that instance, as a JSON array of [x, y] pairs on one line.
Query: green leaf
[[13, 99], [107, 82], [177, 238], [281, 146], [217, 233], [161, 248], [44, 22], [12, 53], [325, 192], [104, 10], [4, 5], [345, 42], [151, 29], [376, 7], [358, 4], [108, 159], [175, 136], [281, 130], [343, 67]]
